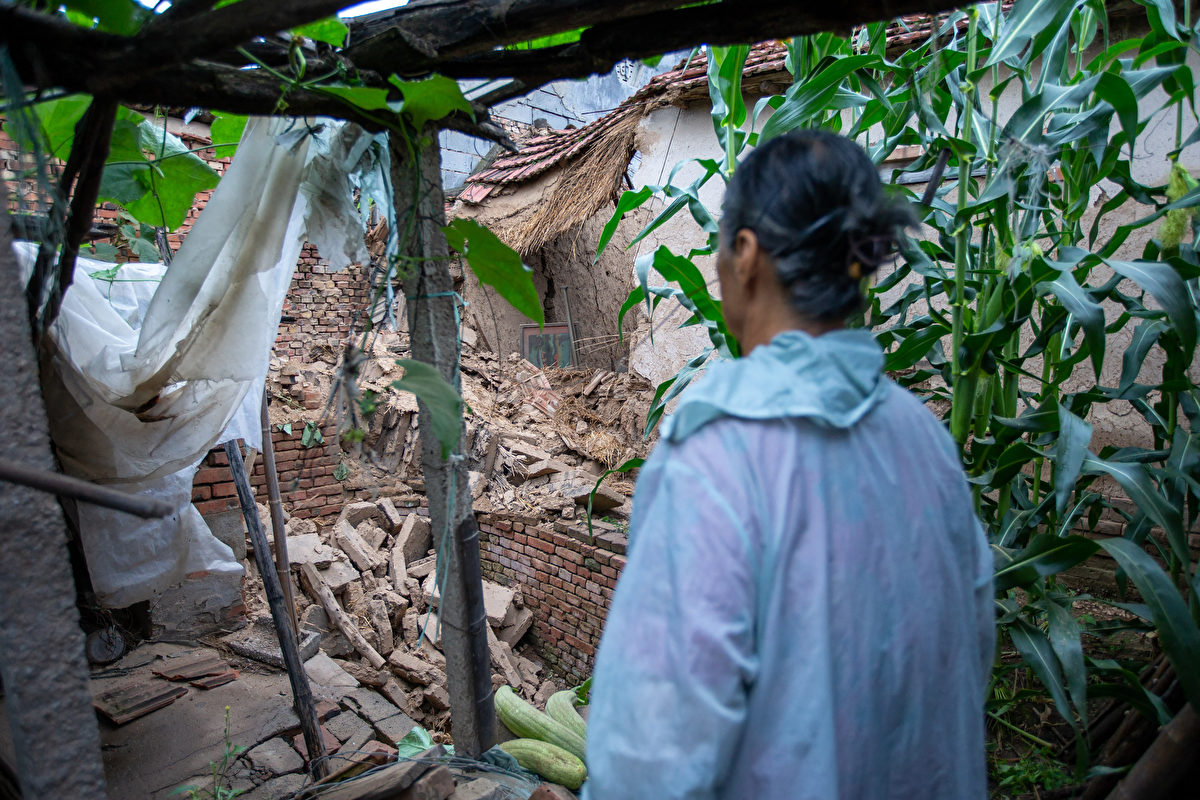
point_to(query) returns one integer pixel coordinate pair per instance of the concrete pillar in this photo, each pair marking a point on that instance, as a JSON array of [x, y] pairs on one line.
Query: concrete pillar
[[41, 644]]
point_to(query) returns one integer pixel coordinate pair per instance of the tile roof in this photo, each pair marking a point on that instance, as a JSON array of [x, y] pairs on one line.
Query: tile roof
[[687, 83]]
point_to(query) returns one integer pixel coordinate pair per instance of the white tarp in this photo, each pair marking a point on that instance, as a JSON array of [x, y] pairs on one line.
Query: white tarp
[[146, 380]]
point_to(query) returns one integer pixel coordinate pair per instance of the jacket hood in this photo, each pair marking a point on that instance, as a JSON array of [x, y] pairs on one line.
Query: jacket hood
[[834, 378]]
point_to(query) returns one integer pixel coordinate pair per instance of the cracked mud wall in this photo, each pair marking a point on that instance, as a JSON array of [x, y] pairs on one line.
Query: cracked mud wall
[[596, 291]]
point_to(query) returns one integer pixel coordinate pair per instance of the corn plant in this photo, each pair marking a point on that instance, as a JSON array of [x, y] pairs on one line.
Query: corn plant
[[1011, 296]]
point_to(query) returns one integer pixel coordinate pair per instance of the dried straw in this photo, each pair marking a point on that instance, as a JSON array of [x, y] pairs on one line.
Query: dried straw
[[586, 186]]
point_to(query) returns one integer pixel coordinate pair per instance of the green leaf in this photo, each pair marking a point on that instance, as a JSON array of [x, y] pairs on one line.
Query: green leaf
[[1136, 482], [226, 132], [57, 120], [1117, 92], [496, 264], [566, 37], [124, 17], [1084, 309], [175, 177], [1063, 632], [1026, 20], [1165, 285], [312, 435], [915, 346], [431, 98], [1035, 648], [628, 202], [725, 66], [330, 30], [1177, 631], [341, 472], [1046, 555], [1070, 448], [809, 97], [439, 398], [1162, 16], [1144, 337], [365, 97]]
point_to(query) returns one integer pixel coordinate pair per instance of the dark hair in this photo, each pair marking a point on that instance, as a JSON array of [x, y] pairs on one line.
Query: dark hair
[[815, 202]]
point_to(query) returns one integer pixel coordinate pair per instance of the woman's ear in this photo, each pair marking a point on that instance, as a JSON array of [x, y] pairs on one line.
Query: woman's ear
[[746, 256]]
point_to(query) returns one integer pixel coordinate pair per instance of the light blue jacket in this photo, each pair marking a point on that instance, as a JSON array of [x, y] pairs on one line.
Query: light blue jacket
[[807, 607]]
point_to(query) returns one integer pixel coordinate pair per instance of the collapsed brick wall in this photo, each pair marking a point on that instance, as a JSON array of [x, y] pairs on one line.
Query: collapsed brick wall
[[567, 581]]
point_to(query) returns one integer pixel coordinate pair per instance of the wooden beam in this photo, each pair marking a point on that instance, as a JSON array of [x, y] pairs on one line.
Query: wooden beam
[[455, 37]]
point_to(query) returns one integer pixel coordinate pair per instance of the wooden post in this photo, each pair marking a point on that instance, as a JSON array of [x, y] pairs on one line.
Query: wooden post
[[302, 697], [433, 324], [277, 529]]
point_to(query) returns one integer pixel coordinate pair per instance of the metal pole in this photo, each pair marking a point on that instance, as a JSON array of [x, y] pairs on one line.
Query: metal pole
[[280, 534], [301, 692]]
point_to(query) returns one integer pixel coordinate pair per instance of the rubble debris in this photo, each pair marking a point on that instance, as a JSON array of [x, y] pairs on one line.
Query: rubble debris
[[415, 538], [317, 588], [260, 642], [389, 722]]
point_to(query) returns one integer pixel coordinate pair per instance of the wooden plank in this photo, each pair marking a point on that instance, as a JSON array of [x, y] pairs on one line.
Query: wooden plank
[[213, 681], [126, 703], [186, 669], [343, 621]]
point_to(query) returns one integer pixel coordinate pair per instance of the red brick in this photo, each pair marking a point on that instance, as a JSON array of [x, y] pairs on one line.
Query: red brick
[[215, 506], [211, 475], [224, 490]]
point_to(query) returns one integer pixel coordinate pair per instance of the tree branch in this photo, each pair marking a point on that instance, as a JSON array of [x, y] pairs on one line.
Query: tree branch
[[456, 37]]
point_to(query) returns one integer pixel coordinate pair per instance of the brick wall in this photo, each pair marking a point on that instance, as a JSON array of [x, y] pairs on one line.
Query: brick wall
[[321, 309], [306, 481], [566, 579]]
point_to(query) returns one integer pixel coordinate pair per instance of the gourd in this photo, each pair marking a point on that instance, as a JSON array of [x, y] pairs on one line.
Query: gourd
[[549, 761], [526, 721], [561, 708]]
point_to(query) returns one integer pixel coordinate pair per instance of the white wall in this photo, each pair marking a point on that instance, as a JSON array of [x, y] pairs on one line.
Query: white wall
[[670, 135]]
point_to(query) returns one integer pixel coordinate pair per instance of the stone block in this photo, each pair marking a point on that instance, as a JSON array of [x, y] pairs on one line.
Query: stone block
[[499, 603], [230, 528], [378, 615], [511, 634], [415, 538], [372, 534], [389, 722], [277, 788], [275, 756], [436, 697], [347, 725], [392, 518], [414, 669], [324, 670], [309, 549], [337, 575], [355, 513], [362, 555]]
